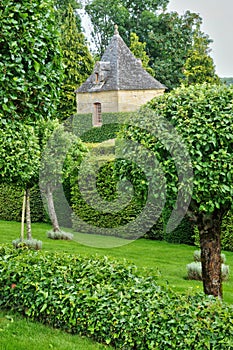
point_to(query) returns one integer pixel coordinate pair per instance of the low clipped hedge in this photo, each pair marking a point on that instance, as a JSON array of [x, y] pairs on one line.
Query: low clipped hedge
[[108, 301], [111, 124]]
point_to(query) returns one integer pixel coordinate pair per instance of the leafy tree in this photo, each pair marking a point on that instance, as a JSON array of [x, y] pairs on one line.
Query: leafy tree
[[138, 49], [168, 36], [19, 162], [199, 66], [61, 7], [78, 64], [59, 148], [30, 75], [202, 115], [126, 14]]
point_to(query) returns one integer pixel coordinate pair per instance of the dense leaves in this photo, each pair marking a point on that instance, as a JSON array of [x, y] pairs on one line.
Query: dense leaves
[[77, 61], [203, 116], [30, 63], [108, 301], [199, 66], [168, 36]]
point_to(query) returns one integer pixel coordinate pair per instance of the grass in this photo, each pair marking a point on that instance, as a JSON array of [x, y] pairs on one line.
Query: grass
[[21, 334], [166, 261]]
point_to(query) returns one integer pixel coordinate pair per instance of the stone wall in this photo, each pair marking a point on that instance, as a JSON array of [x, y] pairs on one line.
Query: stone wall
[[115, 101]]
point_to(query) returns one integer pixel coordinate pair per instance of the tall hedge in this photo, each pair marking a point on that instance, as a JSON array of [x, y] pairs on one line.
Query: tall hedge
[[11, 198]]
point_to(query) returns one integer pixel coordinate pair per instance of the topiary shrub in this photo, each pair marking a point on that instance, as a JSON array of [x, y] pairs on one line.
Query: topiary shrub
[[60, 235], [195, 271], [110, 302], [27, 243], [107, 178], [197, 256], [11, 198]]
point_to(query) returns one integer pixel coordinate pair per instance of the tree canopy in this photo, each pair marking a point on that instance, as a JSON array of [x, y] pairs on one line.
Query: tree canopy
[[199, 66], [202, 116], [168, 36], [77, 60]]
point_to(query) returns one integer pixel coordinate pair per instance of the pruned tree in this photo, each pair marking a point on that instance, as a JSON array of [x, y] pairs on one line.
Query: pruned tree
[[30, 75], [202, 115], [19, 162], [59, 146]]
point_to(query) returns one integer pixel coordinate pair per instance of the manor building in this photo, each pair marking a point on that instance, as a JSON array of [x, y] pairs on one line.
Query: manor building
[[118, 83]]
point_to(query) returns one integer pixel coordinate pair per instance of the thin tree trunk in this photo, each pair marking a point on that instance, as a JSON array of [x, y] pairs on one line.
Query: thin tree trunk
[[210, 242], [28, 215], [51, 210], [23, 217]]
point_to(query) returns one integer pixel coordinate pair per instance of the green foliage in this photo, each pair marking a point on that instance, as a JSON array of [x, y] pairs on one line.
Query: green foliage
[[126, 14], [109, 174], [202, 114], [62, 6], [93, 296], [138, 49], [30, 60], [227, 232], [20, 153], [168, 36], [199, 66], [11, 197], [77, 61], [182, 234], [83, 126], [168, 40]]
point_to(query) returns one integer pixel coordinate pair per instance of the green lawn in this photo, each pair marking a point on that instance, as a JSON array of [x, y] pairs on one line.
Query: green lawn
[[166, 261], [19, 333]]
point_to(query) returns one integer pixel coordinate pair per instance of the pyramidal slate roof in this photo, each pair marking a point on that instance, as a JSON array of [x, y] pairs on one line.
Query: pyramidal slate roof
[[119, 70]]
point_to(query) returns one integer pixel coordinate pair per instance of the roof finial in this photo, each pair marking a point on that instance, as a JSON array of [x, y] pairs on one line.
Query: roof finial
[[116, 29]]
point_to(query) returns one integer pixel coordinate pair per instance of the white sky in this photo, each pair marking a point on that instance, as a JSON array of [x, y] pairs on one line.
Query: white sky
[[217, 18]]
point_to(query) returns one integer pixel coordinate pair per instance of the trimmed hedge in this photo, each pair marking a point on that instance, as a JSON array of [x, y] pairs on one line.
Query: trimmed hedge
[[106, 182], [11, 199], [108, 301], [227, 232], [82, 124]]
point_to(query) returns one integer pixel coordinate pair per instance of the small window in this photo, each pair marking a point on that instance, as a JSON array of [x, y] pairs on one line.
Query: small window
[[97, 118], [97, 78]]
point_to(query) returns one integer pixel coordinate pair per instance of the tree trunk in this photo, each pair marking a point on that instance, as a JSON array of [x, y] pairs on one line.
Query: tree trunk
[[210, 240], [28, 215], [23, 217], [51, 210]]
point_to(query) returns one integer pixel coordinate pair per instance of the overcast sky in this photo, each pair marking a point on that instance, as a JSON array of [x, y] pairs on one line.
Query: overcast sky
[[217, 18]]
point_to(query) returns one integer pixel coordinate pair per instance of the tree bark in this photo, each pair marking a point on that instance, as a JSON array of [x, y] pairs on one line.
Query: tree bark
[[210, 241], [23, 217], [28, 215], [51, 210]]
